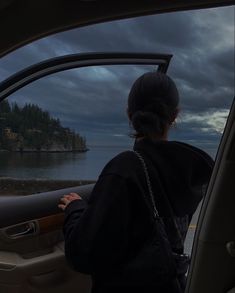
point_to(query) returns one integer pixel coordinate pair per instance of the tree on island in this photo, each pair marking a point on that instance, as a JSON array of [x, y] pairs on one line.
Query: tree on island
[[29, 128]]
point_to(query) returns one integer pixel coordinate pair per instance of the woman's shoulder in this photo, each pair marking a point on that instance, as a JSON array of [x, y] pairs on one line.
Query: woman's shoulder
[[199, 153], [122, 164]]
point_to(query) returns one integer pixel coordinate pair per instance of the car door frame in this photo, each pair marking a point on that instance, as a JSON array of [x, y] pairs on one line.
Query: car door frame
[[71, 61], [37, 216], [213, 255]]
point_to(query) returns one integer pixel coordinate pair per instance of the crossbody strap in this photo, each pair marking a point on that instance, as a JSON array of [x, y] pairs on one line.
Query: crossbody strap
[[156, 214], [141, 159]]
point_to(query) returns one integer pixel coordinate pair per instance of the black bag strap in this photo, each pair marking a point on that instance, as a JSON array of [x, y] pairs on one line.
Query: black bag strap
[[163, 194], [150, 190]]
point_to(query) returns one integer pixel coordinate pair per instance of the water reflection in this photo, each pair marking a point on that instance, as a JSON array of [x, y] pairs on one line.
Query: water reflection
[[37, 160], [83, 166]]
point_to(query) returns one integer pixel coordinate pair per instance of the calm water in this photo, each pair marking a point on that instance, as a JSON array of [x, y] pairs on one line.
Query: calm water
[[57, 165]]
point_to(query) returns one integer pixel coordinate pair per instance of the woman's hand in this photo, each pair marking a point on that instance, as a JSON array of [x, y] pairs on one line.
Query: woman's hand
[[67, 199]]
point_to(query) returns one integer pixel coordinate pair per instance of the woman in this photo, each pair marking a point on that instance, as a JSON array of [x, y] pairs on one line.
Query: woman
[[105, 233]]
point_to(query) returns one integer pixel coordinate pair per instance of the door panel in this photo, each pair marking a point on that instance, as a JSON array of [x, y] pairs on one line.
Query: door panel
[[36, 206], [31, 252]]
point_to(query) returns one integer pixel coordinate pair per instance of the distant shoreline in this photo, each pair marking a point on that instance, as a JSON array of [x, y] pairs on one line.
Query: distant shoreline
[[17, 186], [44, 151]]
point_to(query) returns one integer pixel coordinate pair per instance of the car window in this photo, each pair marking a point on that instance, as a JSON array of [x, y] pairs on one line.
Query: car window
[[67, 126]]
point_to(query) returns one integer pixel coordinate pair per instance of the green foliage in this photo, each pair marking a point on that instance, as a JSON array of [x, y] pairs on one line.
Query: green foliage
[[5, 107], [35, 129]]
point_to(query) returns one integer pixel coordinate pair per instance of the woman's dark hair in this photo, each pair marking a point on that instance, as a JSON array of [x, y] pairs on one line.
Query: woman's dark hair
[[152, 104]]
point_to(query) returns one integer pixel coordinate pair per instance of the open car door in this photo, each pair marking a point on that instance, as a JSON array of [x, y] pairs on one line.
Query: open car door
[[213, 257], [31, 240]]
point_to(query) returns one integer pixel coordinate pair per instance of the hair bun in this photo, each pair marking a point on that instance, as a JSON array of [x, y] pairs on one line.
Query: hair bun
[[146, 123]]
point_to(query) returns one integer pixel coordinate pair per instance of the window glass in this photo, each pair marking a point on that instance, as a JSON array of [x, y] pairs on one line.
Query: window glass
[[68, 125]]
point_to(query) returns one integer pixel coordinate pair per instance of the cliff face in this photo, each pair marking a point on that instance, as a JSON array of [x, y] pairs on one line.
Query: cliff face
[[15, 145], [21, 144], [35, 141], [30, 129]]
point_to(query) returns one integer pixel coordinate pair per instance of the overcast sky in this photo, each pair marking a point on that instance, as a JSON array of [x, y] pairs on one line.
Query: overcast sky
[[93, 100]]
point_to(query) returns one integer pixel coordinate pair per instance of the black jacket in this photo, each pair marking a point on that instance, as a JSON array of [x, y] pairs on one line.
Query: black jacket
[[110, 228]]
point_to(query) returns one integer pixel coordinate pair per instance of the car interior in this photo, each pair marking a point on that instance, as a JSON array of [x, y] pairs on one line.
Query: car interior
[[31, 239]]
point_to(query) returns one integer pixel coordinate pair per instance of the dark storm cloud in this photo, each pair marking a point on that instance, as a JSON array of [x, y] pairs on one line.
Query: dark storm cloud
[[223, 64], [95, 99], [144, 33], [26, 56], [98, 93]]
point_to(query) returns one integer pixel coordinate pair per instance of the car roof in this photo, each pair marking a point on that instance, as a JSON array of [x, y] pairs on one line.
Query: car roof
[[22, 21]]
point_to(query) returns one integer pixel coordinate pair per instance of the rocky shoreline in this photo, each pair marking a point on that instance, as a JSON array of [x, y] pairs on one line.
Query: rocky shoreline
[[44, 151], [17, 186]]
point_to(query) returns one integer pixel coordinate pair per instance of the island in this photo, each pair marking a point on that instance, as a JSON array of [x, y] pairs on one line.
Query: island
[[30, 129]]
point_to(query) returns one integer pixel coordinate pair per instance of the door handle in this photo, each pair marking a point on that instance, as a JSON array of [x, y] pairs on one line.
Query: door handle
[[22, 230]]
